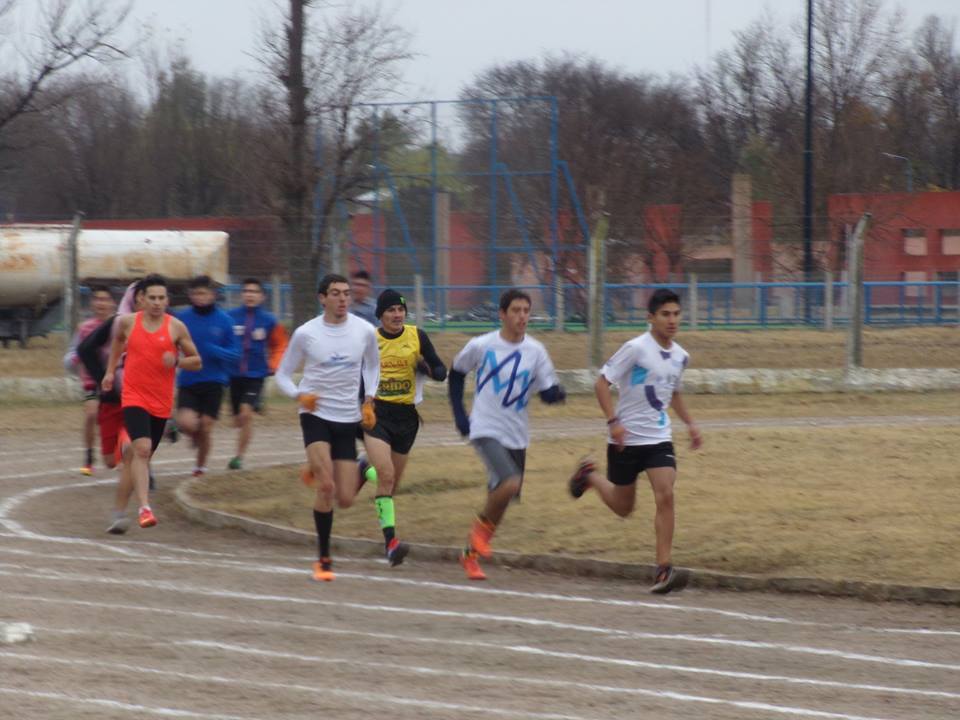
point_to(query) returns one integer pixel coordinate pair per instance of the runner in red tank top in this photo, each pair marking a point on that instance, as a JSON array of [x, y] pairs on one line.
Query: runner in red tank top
[[156, 345]]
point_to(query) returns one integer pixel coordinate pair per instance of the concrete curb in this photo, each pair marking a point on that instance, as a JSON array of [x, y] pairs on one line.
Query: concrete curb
[[720, 381], [587, 567]]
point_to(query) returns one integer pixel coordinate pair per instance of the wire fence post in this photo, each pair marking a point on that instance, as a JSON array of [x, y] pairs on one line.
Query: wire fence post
[[418, 308], [828, 300], [598, 280], [71, 288], [855, 270], [276, 296], [558, 300], [694, 302]]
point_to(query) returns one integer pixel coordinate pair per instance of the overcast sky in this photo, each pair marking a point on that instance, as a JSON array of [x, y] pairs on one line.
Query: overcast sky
[[455, 39]]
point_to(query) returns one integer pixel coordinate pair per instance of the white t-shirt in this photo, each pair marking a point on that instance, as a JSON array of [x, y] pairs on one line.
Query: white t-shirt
[[334, 358], [507, 374], [647, 376]]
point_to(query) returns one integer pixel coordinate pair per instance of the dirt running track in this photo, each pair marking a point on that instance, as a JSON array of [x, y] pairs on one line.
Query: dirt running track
[[186, 622]]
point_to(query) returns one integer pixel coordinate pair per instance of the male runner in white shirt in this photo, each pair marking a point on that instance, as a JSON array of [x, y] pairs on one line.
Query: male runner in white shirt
[[509, 364], [647, 371], [335, 350]]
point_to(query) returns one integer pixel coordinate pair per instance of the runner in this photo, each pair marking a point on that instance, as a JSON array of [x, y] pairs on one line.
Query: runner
[[362, 305], [94, 354], [335, 350], [262, 343], [509, 363], [647, 371], [406, 356], [154, 342], [201, 391], [102, 304]]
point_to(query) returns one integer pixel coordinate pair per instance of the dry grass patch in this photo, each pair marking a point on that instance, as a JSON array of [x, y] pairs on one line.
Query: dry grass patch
[[895, 347], [858, 503]]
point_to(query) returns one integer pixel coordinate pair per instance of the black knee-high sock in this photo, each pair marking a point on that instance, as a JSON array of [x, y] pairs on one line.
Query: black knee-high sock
[[324, 524], [90, 457]]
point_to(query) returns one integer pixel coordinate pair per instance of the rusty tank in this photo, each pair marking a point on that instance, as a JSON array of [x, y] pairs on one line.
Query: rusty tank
[[33, 263]]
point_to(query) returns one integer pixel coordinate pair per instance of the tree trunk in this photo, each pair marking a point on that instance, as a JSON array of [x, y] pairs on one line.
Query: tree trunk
[[300, 258]]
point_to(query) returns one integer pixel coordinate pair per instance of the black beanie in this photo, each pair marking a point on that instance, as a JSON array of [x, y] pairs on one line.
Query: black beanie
[[388, 298]]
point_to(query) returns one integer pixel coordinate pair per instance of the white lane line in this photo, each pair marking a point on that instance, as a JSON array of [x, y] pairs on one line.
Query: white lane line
[[474, 645], [366, 696], [182, 588], [184, 462], [422, 671], [280, 569], [117, 705]]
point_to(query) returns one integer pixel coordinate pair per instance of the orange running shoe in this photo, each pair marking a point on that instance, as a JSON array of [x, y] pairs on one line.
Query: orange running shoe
[[480, 536], [146, 518], [306, 476], [471, 565], [323, 570]]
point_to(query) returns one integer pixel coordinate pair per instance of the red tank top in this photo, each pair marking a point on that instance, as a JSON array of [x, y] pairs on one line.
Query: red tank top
[[146, 382]]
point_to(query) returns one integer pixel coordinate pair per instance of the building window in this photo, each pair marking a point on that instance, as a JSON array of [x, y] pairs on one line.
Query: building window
[[949, 292], [951, 241], [914, 241], [915, 291]]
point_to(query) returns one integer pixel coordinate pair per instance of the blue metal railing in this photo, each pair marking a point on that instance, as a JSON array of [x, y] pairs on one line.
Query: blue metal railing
[[719, 304]]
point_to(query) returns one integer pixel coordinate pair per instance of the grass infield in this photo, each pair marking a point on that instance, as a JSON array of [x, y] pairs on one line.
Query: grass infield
[[853, 502], [884, 348]]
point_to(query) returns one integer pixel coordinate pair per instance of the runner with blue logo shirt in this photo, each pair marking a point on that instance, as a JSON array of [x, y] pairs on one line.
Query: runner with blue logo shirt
[[510, 365], [200, 393], [647, 372]]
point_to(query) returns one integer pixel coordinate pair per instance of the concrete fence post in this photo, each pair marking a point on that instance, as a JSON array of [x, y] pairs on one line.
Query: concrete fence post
[[693, 300], [855, 263], [828, 300]]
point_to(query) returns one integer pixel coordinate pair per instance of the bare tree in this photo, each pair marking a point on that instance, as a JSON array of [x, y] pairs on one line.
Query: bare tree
[[66, 36], [328, 69]]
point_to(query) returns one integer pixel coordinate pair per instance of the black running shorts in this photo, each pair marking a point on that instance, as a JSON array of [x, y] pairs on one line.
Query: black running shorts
[[624, 464], [341, 437], [245, 391], [141, 424], [397, 425], [204, 398]]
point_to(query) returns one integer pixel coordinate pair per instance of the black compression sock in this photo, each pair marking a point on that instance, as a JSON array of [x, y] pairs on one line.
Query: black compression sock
[[324, 524], [90, 457]]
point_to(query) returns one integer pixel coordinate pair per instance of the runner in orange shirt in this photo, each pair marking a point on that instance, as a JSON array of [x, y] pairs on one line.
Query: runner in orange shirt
[[156, 345]]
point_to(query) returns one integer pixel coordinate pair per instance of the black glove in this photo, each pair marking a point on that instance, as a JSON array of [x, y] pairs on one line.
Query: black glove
[[552, 395]]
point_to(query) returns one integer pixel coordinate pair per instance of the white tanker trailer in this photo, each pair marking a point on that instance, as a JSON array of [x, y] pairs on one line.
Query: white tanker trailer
[[33, 263]]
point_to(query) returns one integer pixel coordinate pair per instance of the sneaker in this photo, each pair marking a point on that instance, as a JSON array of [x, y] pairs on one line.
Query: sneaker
[[199, 471], [146, 518], [578, 481], [366, 470], [396, 552], [471, 564], [236, 463], [119, 525], [480, 536], [668, 578], [86, 470], [323, 570], [306, 476]]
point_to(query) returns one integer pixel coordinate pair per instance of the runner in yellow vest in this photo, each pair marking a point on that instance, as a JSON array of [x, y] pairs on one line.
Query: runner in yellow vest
[[406, 357]]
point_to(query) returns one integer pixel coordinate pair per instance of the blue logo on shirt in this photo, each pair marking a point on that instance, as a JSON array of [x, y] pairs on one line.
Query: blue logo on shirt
[[512, 396], [337, 359]]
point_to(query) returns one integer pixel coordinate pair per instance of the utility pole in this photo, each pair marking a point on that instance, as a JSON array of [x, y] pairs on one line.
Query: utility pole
[[808, 173]]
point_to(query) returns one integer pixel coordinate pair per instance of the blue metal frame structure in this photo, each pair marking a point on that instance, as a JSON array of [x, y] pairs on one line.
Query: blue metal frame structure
[[500, 177]]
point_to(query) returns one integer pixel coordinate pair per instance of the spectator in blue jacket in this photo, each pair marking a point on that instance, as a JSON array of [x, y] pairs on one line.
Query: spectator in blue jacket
[[201, 391], [263, 341]]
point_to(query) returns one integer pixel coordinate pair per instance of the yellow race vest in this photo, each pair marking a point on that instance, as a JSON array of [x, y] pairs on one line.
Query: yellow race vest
[[398, 366]]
